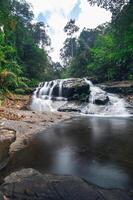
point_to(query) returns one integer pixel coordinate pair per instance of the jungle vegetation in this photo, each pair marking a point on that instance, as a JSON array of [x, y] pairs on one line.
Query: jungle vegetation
[[23, 58], [106, 52]]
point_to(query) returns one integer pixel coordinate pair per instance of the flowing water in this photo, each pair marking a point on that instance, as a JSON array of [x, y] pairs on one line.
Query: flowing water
[[100, 150], [43, 100], [60, 88]]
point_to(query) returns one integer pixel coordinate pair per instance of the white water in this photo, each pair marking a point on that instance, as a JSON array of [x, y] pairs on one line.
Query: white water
[[115, 107], [60, 87], [51, 89], [42, 97], [42, 100]]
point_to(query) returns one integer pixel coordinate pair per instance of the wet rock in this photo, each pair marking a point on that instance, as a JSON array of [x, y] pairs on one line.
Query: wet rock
[[71, 107], [30, 184], [73, 89], [121, 87], [101, 99], [128, 98]]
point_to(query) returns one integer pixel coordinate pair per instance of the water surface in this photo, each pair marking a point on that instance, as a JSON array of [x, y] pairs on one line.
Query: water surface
[[100, 150]]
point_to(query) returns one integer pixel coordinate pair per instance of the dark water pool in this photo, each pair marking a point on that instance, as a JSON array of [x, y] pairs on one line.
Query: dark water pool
[[100, 150]]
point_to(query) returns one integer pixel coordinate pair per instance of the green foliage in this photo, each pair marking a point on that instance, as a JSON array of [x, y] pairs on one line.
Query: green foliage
[[106, 52], [114, 6], [23, 91], [22, 44], [69, 50]]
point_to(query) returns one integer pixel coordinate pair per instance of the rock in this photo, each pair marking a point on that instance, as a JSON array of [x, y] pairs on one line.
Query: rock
[[29, 184], [73, 89], [7, 135], [121, 87], [101, 99], [6, 139], [1, 196], [128, 98], [71, 107]]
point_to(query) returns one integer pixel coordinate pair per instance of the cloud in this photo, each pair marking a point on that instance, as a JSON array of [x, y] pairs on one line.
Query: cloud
[[52, 5], [56, 14], [91, 17]]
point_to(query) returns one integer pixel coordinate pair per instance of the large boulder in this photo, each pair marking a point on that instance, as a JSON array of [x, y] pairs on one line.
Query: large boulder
[[73, 89], [7, 137], [29, 184]]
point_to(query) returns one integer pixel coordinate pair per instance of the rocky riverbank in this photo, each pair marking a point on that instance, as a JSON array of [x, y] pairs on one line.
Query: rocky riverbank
[[29, 184], [19, 126], [123, 88], [27, 124]]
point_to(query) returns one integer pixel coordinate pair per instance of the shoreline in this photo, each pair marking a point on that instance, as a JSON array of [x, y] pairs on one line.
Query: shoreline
[[29, 123]]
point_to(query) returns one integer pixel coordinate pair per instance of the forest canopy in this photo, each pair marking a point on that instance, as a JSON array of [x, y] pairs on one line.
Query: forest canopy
[[23, 58], [106, 52]]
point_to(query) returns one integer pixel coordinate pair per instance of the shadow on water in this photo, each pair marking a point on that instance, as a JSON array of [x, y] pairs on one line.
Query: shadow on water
[[100, 150]]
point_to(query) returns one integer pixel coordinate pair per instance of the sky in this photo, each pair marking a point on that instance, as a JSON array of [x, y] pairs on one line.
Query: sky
[[56, 13]]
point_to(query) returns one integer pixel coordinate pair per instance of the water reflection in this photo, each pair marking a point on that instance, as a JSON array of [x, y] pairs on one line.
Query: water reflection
[[96, 149], [63, 162], [107, 175]]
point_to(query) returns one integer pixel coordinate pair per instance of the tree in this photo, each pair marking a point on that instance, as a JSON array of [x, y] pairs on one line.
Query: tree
[[114, 6], [77, 66], [70, 29], [30, 40], [112, 55], [40, 36], [57, 69], [70, 45], [22, 46]]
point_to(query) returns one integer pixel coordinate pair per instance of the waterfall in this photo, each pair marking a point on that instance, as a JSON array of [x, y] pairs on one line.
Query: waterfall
[[48, 96], [114, 107], [95, 91], [42, 97], [60, 88], [51, 89], [44, 89]]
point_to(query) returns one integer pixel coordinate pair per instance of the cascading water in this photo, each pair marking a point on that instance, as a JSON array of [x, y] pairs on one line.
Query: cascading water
[[60, 88], [51, 89], [42, 97], [44, 89], [100, 103], [114, 106]]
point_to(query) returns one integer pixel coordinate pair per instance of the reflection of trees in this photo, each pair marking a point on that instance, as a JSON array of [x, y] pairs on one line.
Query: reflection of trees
[[99, 139]]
